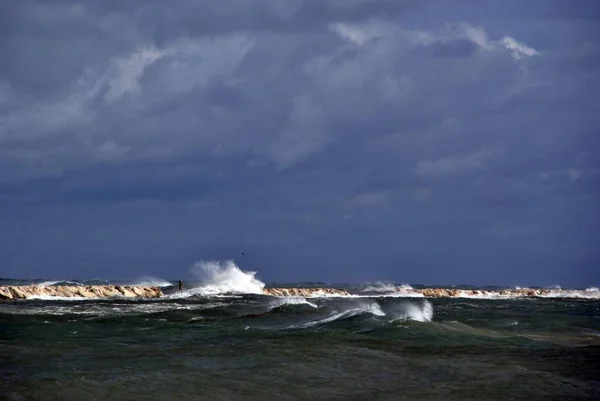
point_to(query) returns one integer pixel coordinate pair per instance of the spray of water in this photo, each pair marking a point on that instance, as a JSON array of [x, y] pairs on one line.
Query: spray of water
[[221, 277], [382, 287], [58, 282], [420, 312], [277, 302]]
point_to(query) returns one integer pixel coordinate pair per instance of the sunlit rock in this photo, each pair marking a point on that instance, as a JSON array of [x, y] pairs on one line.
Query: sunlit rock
[[90, 291], [304, 292]]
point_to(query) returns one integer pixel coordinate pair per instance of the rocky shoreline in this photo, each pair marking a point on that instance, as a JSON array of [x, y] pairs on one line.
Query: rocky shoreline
[[106, 291], [304, 292], [129, 291], [425, 292], [511, 293], [78, 291]]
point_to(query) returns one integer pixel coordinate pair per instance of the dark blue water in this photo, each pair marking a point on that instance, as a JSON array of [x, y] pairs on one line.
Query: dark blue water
[[254, 347]]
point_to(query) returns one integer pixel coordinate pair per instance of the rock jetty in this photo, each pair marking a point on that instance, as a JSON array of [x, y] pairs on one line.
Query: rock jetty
[[423, 292], [106, 291], [430, 292], [452, 293], [87, 291], [304, 292]]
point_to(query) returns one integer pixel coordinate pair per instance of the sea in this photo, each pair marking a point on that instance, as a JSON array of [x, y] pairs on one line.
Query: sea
[[221, 339]]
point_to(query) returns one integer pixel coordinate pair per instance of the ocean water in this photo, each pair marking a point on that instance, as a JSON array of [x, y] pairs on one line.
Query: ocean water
[[213, 342]]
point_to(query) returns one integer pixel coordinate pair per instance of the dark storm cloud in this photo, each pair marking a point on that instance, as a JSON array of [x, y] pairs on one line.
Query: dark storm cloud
[[428, 141]]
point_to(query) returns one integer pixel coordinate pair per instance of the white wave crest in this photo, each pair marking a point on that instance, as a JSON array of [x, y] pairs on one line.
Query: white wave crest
[[380, 287], [587, 294], [592, 289], [149, 281], [386, 287], [398, 294], [217, 277], [554, 293], [291, 301], [422, 312], [56, 282], [403, 294], [360, 308], [372, 308]]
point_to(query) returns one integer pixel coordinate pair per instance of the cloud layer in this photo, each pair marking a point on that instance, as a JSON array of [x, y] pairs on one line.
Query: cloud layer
[[338, 139]]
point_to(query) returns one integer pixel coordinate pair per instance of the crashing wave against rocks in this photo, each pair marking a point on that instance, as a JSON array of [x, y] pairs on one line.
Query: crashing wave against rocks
[[438, 292], [106, 291], [88, 291]]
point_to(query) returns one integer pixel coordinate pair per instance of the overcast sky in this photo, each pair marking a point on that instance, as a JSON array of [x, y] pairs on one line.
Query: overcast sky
[[328, 140]]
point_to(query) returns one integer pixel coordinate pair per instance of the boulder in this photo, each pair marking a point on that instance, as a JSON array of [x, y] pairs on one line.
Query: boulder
[[5, 294]]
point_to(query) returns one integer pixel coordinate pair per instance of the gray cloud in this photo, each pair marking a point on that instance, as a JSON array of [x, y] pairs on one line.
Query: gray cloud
[[413, 132]]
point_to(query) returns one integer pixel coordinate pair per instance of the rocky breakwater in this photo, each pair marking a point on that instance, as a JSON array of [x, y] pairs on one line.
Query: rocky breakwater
[[424, 292], [88, 291], [508, 293], [304, 292]]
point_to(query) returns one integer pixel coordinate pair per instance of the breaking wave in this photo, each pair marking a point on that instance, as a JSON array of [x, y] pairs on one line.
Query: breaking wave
[[420, 312], [360, 308], [58, 282], [218, 277], [588, 293], [278, 302], [381, 287]]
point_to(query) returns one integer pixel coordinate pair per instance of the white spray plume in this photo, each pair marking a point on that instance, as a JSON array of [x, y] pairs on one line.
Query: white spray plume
[[383, 287], [414, 311], [219, 277]]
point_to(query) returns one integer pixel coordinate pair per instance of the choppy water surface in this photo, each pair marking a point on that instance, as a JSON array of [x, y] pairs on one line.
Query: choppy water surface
[[254, 347]]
